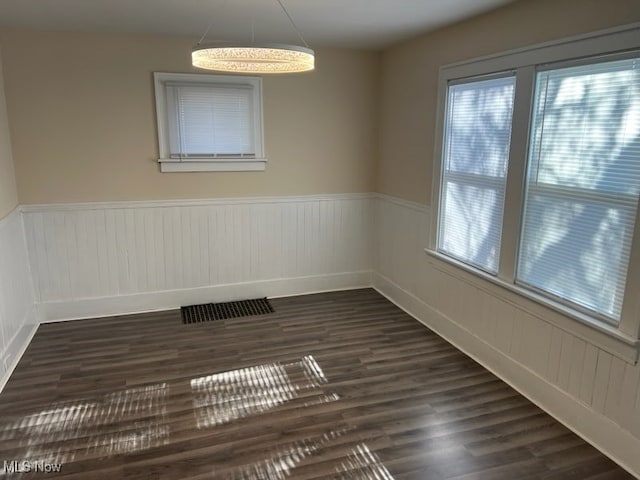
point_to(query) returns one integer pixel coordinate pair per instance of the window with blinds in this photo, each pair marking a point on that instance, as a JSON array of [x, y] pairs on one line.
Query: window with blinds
[[582, 185], [209, 122], [539, 178], [474, 172]]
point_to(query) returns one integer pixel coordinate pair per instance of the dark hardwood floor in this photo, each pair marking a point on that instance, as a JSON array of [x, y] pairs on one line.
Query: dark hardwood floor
[[338, 385]]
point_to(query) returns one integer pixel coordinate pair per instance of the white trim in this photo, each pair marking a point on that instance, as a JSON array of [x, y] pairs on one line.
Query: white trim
[[514, 194], [438, 152], [64, 207], [169, 166], [594, 428], [16, 348], [420, 207], [173, 299]]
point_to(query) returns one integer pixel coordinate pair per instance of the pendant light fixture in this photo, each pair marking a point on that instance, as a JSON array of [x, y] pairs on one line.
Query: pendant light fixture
[[255, 58]]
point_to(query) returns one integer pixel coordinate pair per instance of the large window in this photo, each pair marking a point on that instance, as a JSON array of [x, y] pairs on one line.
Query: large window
[[209, 122], [539, 175]]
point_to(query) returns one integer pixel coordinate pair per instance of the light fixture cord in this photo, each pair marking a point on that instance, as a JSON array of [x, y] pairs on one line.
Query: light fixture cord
[[293, 24], [206, 32]]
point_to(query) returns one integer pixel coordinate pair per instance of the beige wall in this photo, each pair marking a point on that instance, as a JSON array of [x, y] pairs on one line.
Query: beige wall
[[410, 75], [83, 122], [8, 197]]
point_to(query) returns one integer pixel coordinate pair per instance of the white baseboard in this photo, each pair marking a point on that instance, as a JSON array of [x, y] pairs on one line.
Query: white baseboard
[[172, 299], [604, 434], [16, 348]]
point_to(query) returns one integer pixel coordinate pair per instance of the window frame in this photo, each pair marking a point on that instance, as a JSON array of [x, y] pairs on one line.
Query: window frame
[[622, 339], [208, 164]]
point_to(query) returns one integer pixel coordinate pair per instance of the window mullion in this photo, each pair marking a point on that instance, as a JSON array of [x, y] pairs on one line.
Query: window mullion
[[514, 195]]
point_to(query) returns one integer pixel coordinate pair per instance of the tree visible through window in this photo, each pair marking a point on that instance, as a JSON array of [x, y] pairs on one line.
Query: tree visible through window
[[582, 184], [476, 153], [577, 183]]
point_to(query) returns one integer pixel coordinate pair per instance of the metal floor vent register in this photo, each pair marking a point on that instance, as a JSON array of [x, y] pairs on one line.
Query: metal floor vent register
[[221, 311]]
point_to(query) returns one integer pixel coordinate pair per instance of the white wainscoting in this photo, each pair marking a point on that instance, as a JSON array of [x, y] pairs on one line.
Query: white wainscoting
[[17, 319], [593, 392], [114, 258]]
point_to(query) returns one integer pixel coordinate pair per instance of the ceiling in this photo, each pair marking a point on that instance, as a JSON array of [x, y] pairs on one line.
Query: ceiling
[[370, 24]]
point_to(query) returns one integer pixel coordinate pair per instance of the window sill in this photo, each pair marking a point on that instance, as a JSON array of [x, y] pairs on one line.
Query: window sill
[[254, 165], [593, 331]]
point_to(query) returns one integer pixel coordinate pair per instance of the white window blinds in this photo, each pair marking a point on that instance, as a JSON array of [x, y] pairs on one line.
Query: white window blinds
[[210, 120], [475, 160], [582, 185]]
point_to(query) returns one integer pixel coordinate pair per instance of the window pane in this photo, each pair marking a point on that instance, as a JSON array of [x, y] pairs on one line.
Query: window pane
[[471, 231], [577, 250], [582, 184], [479, 127], [475, 159], [212, 120]]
